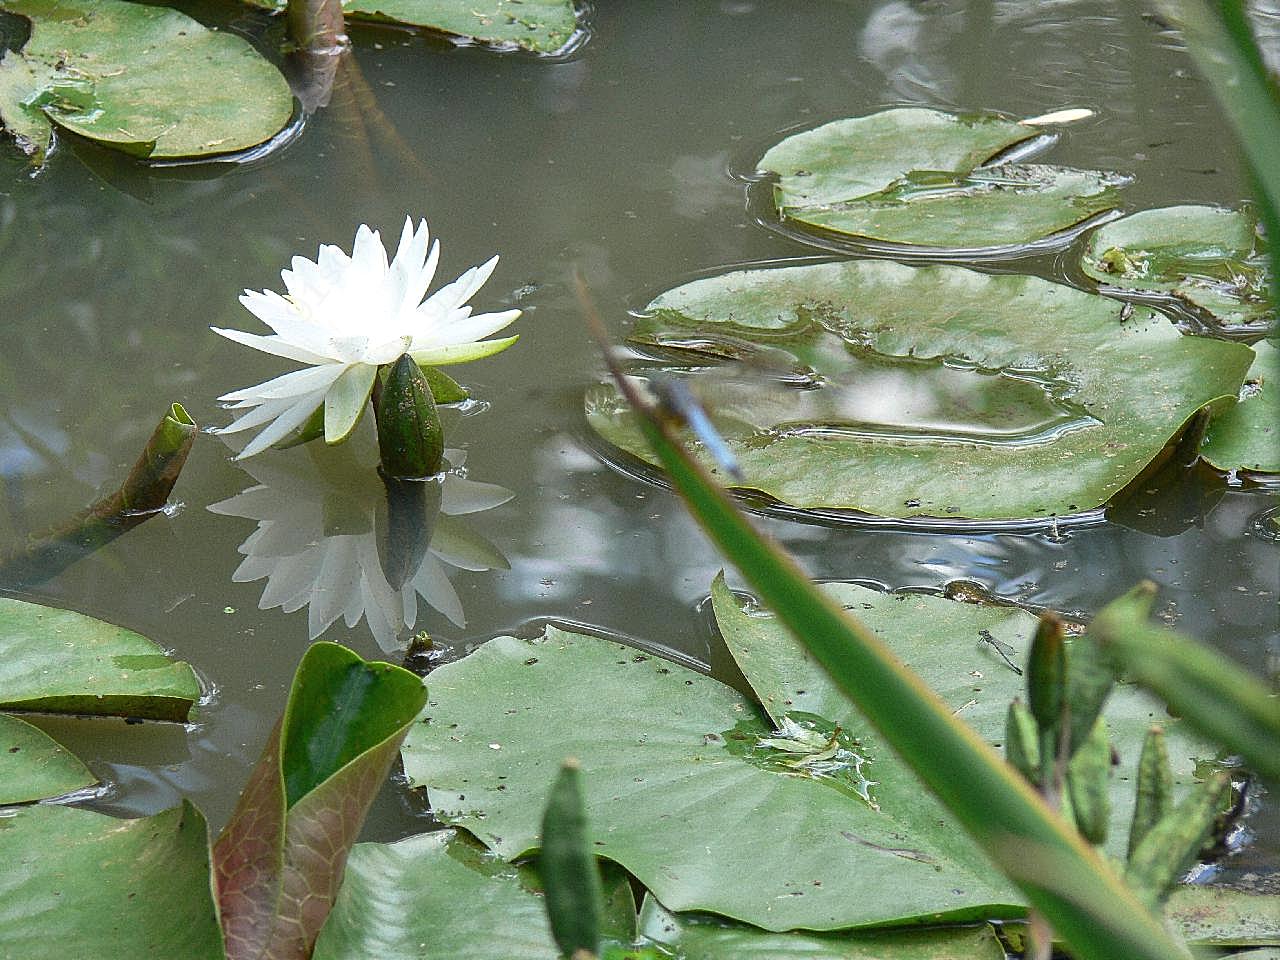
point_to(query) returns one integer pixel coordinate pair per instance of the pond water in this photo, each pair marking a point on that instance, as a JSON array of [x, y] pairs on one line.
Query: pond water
[[616, 160]]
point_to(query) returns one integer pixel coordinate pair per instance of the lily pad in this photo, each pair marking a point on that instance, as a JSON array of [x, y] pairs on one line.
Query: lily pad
[[81, 884], [929, 179], [931, 391], [34, 766], [1225, 916], [60, 661], [710, 805], [543, 26], [142, 79], [707, 938], [967, 653], [1247, 435], [1210, 258], [439, 896]]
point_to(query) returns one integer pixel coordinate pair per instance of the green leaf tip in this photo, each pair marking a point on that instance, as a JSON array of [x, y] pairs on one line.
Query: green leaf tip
[[567, 865], [340, 707]]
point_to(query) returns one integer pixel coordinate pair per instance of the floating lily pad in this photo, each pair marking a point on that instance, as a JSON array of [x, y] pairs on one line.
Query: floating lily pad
[[932, 391], [543, 26], [960, 649], [1225, 916], [712, 806], [439, 896], [1208, 257], [60, 661], [1247, 436], [708, 938], [142, 79], [34, 766], [930, 179], [81, 884]]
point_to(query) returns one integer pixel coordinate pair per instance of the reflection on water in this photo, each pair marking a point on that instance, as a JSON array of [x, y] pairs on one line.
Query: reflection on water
[[820, 385], [336, 537]]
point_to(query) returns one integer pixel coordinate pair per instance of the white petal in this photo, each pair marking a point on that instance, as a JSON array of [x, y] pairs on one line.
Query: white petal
[[259, 415], [292, 384], [368, 256], [467, 329], [290, 420], [346, 400], [272, 345]]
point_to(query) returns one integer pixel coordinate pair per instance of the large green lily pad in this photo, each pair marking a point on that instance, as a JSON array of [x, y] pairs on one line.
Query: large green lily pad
[[543, 26], [60, 661], [439, 896], [953, 646], [80, 884], [931, 391], [1210, 258], [708, 938], [712, 806], [142, 79], [1247, 435], [34, 766], [930, 179]]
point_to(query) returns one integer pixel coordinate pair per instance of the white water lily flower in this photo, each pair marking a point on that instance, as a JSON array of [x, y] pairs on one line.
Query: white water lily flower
[[344, 316]]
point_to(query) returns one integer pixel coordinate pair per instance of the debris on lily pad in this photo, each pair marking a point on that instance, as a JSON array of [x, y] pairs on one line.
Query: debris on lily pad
[[927, 392], [1211, 259], [936, 180], [141, 79], [542, 26], [1246, 436]]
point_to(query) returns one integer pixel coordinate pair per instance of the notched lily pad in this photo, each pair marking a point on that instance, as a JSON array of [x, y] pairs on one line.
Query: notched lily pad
[[141, 79], [929, 179], [1209, 258], [1247, 436], [543, 26], [60, 661], [716, 806], [928, 392]]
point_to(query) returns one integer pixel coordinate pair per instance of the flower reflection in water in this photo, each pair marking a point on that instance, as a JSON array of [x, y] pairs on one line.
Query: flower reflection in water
[[337, 538]]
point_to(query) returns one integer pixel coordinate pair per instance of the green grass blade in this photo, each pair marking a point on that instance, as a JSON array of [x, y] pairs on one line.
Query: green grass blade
[[997, 807], [1207, 690]]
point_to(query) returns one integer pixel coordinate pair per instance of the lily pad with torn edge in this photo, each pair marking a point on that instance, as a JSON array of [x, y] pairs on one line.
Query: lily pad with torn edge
[[1247, 436], [1208, 258], [928, 179], [1086, 392], [141, 79], [692, 789]]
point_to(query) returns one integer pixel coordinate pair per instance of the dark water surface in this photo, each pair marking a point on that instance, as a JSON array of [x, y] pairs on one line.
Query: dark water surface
[[617, 160]]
